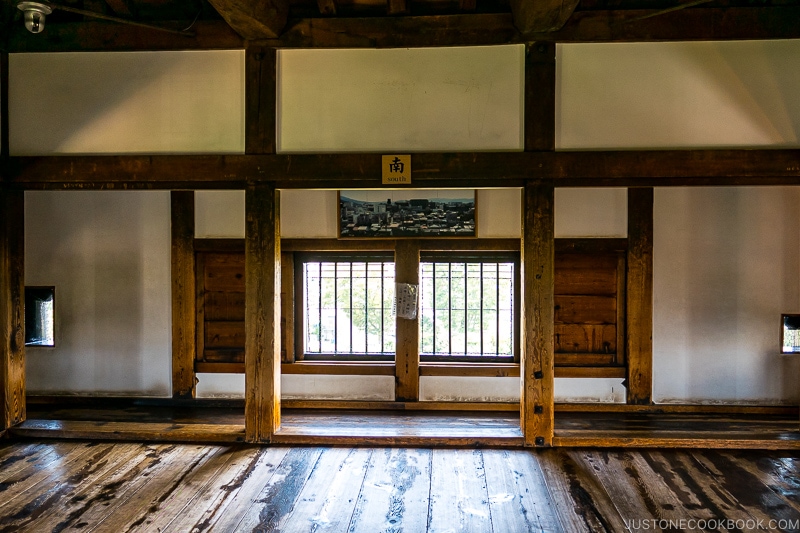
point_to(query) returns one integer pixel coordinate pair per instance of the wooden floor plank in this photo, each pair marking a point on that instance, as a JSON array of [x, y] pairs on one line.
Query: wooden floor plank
[[25, 493], [394, 496], [629, 484], [517, 492], [80, 486], [279, 491], [77, 492], [226, 500], [701, 484], [106, 503], [459, 500], [328, 499], [163, 493], [747, 489], [582, 503], [781, 473]]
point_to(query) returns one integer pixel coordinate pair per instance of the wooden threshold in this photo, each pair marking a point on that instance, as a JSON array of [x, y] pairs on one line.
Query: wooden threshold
[[129, 431], [677, 439], [400, 406]]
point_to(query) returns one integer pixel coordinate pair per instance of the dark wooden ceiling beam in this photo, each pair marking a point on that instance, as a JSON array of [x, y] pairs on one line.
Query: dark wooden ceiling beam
[[700, 23], [254, 19], [327, 7], [482, 169], [541, 16], [109, 37]]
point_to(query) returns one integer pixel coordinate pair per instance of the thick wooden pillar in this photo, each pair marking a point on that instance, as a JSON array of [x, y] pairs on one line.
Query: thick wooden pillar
[[184, 318], [260, 100], [12, 307], [540, 97], [639, 297], [262, 351], [407, 351], [536, 361]]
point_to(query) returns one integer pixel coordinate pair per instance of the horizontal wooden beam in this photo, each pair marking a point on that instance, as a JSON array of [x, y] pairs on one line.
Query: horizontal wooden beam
[[649, 168], [730, 23]]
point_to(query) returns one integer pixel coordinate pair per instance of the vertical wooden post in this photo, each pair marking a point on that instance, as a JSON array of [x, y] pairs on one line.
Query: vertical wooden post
[[12, 307], [536, 363], [4, 143], [639, 297], [262, 351], [184, 318], [260, 100], [406, 260], [540, 96]]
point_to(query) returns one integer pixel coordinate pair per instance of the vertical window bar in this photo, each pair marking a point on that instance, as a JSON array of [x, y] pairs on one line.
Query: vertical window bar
[[433, 306], [335, 307], [350, 278], [319, 307], [466, 308], [366, 307], [481, 302], [497, 298], [450, 305], [383, 274]]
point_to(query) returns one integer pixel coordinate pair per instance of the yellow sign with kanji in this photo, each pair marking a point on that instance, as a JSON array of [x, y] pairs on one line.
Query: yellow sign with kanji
[[396, 169]]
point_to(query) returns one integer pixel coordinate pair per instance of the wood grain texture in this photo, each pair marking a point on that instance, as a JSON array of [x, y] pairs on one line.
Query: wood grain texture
[[600, 25], [4, 143], [537, 359], [407, 330], [262, 319], [12, 307], [183, 294], [639, 296], [635, 168], [260, 99], [541, 17], [254, 19], [540, 96], [177, 488], [287, 308]]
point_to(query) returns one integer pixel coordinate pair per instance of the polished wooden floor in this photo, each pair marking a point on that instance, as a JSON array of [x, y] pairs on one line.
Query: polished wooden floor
[[210, 423], [55, 486]]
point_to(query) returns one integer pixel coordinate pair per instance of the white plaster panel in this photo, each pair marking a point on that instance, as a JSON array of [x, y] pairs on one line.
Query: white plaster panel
[[219, 214], [677, 94], [335, 387], [499, 213], [589, 390], [591, 212], [127, 102], [108, 256], [309, 214], [417, 99], [725, 268], [468, 389], [220, 386]]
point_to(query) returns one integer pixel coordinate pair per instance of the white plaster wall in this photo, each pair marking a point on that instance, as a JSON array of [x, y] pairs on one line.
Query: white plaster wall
[[126, 102], [677, 94], [108, 256], [726, 263], [219, 214], [412, 100], [591, 212]]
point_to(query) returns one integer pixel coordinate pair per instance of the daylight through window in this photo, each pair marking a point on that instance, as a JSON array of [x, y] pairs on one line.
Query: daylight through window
[[347, 307], [467, 310]]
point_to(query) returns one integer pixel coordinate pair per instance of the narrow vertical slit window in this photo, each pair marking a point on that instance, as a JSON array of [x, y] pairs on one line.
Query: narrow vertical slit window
[[40, 316]]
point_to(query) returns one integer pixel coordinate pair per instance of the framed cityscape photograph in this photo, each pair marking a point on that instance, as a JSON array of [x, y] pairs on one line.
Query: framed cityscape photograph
[[419, 213]]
